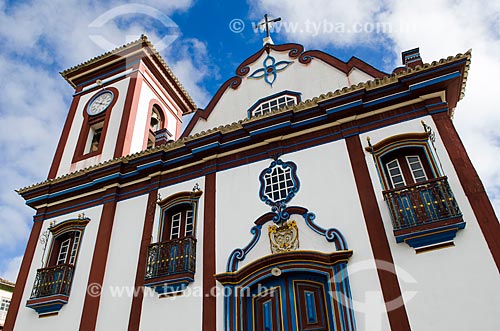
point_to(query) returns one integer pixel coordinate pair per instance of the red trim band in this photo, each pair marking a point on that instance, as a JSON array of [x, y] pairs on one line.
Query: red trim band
[[98, 266], [209, 300], [136, 309], [391, 291], [22, 277], [56, 163], [471, 184]]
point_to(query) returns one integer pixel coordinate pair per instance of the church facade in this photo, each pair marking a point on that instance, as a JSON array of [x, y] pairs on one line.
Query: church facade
[[310, 194]]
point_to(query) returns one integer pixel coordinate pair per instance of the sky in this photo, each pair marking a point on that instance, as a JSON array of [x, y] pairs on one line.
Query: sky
[[203, 42]]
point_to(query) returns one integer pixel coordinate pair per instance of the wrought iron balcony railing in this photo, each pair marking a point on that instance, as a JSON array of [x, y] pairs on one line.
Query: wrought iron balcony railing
[[171, 257], [52, 281], [422, 203]]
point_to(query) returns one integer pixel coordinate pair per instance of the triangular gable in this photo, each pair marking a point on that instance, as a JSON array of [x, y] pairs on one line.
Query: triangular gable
[[251, 83]]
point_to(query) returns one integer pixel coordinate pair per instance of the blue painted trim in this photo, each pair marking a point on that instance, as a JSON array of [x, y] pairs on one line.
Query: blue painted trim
[[48, 307], [279, 207], [204, 170], [330, 234], [239, 254], [426, 73], [311, 311], [351, 95], [431, 236], [269, 128], [270, 68], [204, 148], [435, 80], [388, 98], [236, 141], [339, 296], [309, 121], [337, 109], [272, 119], [171, 288]]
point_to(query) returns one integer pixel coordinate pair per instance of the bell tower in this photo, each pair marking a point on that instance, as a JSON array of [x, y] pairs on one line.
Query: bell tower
[[125, 101]]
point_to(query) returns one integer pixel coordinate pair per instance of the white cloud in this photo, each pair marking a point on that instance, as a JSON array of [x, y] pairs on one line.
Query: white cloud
[[321, 19], [11, 268], [189, 61], [38, 39], [440, 28]]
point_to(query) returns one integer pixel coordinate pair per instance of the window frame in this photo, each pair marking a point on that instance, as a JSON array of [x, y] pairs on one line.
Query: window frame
[[391, 177], [71, 230], [402, 155], [293, 99], [63, 259], [267, 106], [185, 204], [412, 172], [279, 182], [400, 146]]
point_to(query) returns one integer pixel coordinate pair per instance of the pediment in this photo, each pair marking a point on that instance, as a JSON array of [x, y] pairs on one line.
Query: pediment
[[271, 71]]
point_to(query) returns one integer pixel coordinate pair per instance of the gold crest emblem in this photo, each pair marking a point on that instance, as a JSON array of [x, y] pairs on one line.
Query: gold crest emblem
[[284, 238]]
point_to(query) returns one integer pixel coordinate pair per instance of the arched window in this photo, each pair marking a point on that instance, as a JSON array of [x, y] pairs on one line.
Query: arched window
[[274, 102], [178, 222], [418, 195], [407, 165], [53, 282], [65, 248], [156, 123], [172, 259], [404, 160]]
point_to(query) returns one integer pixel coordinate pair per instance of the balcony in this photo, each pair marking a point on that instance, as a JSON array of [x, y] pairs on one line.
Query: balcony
[[425, 213], [51, 289], [171, 265]]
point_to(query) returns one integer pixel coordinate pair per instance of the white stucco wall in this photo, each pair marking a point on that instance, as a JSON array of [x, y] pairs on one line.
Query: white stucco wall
[[185, 309], [70, 314], [151, 91], [357, 76], [121, 264], [457, 288], [327, 189]]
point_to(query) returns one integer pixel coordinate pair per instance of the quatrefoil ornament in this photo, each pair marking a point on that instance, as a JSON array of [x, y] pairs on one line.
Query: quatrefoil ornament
[[270, 69]]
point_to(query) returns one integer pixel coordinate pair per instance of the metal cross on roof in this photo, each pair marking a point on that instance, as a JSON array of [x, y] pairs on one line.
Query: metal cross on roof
[[266, 23]]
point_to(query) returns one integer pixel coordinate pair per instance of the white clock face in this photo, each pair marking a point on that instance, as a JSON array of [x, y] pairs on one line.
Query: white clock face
[[100, 103]]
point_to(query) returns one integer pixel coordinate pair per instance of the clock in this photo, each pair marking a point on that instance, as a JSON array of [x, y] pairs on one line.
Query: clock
[[100, 103]]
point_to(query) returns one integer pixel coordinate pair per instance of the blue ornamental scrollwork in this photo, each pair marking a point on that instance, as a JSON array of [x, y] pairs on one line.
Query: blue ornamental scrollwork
[[240, 253], [331, 235], [270, 69], [278, 185]]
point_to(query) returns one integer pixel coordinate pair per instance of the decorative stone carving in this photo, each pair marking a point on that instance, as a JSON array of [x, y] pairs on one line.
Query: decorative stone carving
[[284, 238]]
